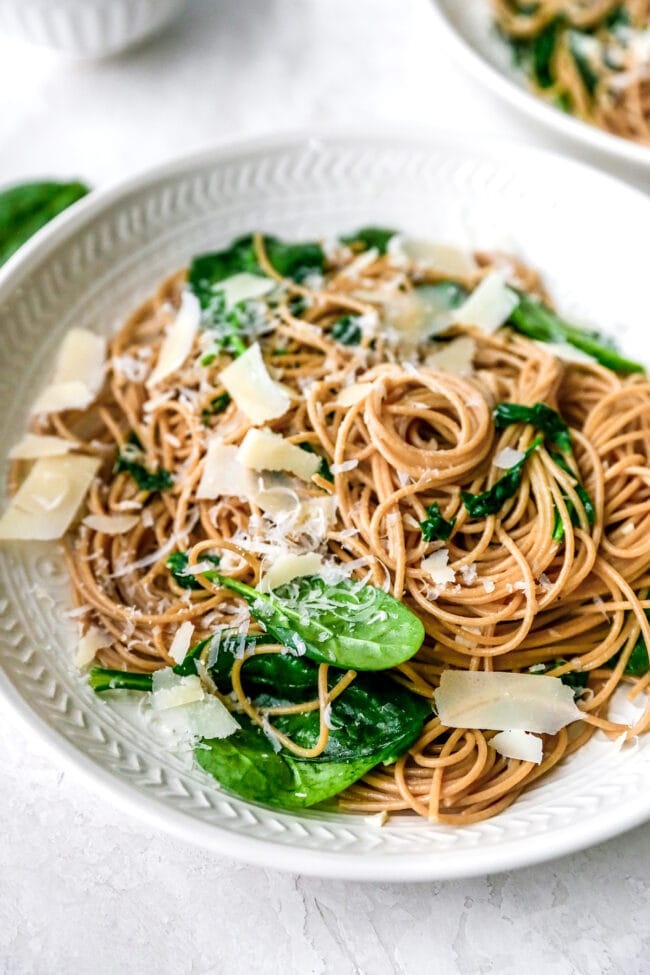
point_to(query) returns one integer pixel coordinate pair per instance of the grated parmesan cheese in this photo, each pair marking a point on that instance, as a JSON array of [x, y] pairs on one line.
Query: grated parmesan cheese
[[436, 566]]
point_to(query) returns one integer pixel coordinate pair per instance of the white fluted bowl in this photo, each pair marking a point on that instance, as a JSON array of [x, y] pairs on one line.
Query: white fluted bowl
[[86, 28], [97, 262]]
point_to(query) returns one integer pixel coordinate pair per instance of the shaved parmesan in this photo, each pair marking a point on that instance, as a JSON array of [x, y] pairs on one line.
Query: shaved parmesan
[[350, 395], [170, 690], [514, 743], [210, 718], [288, 567], [93, 640], [244, 286], [443, 258], [33, 445], [566, 352], [251, 387], [500, 701], [179, 340], [507, 458], [48, 500], [489, 305], [78, 374], [263, 450], [436, 566], [454, 357], [223, 474], [181, 642], [111, 524]]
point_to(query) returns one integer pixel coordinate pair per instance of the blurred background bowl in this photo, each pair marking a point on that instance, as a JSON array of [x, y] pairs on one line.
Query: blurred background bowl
[[86, 28]]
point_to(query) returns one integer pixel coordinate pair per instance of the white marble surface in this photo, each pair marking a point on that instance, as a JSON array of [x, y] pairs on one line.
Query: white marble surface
[[84, 888]]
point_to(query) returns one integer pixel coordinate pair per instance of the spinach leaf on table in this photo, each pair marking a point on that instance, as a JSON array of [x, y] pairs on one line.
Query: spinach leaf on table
[[347, 624], [26, 208]]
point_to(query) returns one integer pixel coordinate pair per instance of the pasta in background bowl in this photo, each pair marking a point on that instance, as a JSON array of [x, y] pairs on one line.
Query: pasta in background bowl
[[302, 190]]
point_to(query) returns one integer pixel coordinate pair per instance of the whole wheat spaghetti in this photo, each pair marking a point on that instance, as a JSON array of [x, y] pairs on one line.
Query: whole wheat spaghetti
[[555, 582], [591, 59]]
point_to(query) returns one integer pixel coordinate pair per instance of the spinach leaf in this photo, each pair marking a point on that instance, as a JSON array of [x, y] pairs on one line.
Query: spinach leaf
[[444, 295], [246, 764], [129, 462], [104, 679], [491, 501], [346, 330], [540, 416], [295, 261], [177, 563], [638, 662], [26, 208], [370, 237], [542, 51], [347, 624], [435, 527], [217, 405], [535, 320], [558, 527]]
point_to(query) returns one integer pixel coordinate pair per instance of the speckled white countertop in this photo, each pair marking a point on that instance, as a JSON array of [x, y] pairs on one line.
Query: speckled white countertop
[[86, 889]]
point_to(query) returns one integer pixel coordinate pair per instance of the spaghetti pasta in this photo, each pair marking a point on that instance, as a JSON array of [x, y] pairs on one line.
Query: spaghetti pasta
[[591, 59], [556, 581]]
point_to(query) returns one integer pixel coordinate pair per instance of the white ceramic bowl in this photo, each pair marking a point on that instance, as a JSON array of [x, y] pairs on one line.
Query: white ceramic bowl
[[86, 28], [97, 262], [468, 26]]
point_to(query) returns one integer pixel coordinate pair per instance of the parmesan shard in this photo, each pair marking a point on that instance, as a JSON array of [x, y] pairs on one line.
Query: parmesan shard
[[489, 305], [49, 498], [181, 642], [514, 743], [244, 286], [507, 458], [288, 567], [263, 450], [179, 340], [223, 474], [111, 524], [455, 357], [443, 258], [171, 690], [78, 373], [501, 701], [350, 395], [249, 384], [436, 566], [210, 718], [93, 640], [34, 445]]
